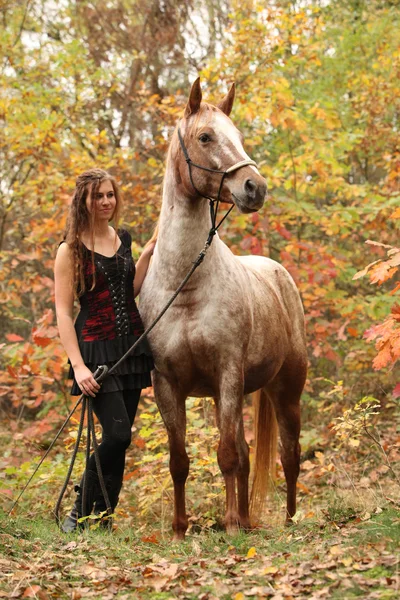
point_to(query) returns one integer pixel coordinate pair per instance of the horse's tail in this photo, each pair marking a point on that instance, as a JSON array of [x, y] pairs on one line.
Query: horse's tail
[[265, 450]]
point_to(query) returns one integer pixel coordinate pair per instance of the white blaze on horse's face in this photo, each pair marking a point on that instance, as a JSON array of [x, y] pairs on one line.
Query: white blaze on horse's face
[[229, 139], [244, 186]]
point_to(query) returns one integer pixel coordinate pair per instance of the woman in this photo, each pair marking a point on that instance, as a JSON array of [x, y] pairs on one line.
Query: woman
[[95, 264]]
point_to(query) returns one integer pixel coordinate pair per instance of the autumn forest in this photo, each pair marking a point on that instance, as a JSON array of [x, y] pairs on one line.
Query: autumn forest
[[85, 84]]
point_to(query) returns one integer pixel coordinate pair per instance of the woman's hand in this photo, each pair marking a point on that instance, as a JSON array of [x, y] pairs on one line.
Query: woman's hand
[[86, 381], [149, 249], [142, 266]]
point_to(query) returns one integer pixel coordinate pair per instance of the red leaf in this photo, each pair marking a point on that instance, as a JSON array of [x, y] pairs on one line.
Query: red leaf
[[41, 341], [396, 391], [396, 311], [13, 337], [283, 231]]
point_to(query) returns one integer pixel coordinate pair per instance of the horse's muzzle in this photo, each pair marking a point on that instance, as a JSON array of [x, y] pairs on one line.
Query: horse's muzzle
[[252, 198]]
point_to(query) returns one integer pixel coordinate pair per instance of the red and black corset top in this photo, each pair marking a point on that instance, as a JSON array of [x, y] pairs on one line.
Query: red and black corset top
[[109, 311]]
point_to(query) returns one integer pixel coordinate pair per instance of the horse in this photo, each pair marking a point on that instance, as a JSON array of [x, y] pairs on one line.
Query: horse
[[236, 328]]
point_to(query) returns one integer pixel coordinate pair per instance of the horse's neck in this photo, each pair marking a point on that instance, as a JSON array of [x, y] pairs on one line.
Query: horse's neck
[[183, 230]]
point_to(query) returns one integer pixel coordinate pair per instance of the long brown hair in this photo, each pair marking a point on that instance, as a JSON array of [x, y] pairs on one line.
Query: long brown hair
[[80, 220]]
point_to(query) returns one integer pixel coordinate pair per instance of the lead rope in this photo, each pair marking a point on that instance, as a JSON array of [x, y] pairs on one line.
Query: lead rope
[[100, 374], [105, 372]]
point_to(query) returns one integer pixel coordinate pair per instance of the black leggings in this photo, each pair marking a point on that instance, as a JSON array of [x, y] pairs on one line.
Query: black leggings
[[116, 412]]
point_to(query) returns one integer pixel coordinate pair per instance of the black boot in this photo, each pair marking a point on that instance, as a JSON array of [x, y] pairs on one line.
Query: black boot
[[70, 523], [113, 486]]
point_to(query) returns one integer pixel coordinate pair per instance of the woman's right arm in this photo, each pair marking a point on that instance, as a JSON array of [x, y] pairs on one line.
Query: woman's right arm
[[64, 297]]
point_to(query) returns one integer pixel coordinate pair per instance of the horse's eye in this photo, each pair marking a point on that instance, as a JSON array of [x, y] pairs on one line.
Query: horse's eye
[[204, 138]]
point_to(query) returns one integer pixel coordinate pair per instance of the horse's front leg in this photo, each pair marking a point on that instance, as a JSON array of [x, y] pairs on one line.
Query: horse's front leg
[[229, 409], [171, 404]]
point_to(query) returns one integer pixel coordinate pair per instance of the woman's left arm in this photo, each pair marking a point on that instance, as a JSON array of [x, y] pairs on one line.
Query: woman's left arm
[[141, 267]]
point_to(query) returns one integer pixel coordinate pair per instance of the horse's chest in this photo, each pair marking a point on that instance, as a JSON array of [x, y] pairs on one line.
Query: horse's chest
[[191, 335]]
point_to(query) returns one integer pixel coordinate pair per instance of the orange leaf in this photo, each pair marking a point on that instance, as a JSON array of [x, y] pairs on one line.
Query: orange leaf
[[383, 358], [152, 539], [303, 488], [134, 473], [13, 337], [365, 271], [139, 442], [12, 371], [352, 331], [34, 591], [381, 273], [395, 289]]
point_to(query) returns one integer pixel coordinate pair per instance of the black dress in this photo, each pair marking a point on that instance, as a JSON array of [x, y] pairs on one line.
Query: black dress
[[109, 323]]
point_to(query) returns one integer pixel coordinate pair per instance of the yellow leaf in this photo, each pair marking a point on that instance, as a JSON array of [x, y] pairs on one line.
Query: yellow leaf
[[354, 443], [252, 552], [238, 596], [270, 570]]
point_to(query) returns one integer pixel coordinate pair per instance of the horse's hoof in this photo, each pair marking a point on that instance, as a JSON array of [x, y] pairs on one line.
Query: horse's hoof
[[179, 536], [232, 529]]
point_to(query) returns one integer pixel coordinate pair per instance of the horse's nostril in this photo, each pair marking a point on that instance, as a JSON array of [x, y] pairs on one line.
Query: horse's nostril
[[250, 186]]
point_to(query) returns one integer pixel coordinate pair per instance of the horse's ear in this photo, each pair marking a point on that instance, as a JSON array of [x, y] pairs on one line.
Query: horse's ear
[[226, 103], [194, 101]]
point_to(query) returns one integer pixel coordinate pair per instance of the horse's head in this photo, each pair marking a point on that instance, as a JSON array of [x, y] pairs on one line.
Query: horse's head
[[211, 141]]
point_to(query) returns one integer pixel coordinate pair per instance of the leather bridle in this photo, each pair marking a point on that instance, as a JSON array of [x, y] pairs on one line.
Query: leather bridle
[[214, 202]]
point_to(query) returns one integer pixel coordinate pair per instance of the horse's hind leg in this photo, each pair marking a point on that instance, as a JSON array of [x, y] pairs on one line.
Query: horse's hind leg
[[286, 391], [243, 479], [173, 411]]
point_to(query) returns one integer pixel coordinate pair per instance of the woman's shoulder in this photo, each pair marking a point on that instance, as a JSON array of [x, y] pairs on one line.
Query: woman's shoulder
[[64, 256], [64, 249]]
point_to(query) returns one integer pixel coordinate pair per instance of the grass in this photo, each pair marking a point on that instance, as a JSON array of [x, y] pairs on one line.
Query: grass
[[317, 558]]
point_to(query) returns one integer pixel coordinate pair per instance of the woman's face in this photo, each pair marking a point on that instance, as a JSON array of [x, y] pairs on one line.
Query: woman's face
[[104, 202]]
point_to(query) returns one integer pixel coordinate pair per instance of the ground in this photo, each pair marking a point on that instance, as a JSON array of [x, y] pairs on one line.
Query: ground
[[344, 543]]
